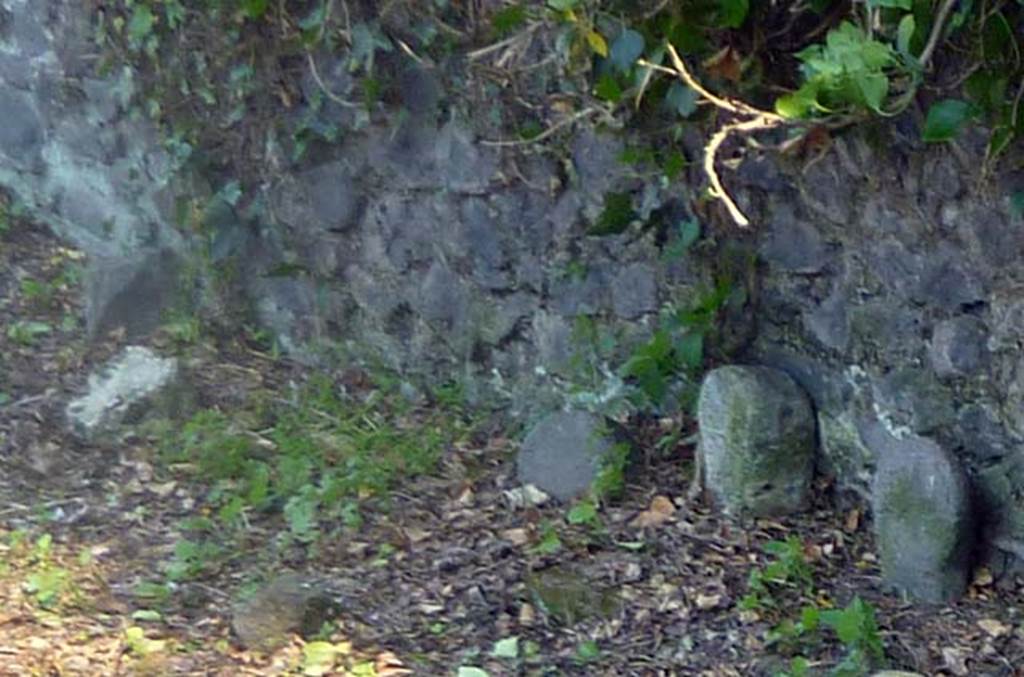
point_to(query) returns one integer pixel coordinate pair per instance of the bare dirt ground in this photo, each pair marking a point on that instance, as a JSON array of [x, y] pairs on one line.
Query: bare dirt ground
[[443, 574]]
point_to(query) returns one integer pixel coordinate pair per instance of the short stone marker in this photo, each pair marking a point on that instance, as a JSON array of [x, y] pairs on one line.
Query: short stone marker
[[756, 441], [289, 604], [563, 454], [922, 516]]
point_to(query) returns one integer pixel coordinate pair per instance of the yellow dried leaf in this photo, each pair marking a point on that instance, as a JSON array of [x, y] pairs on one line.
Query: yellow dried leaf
[[597, 43]]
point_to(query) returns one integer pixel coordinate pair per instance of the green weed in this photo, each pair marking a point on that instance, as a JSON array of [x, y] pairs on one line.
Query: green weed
[[26, 332], [313, 460]]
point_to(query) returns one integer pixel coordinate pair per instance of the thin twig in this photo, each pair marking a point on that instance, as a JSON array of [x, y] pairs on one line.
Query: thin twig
[[507, 42], [757, 120], [937, 28], [711, 152], [734, 106], [27, 400], [323, 87], [546, 133]]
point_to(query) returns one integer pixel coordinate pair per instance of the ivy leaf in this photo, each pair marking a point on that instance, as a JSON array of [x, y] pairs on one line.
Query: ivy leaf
[[626, 49], [945, 119], [681, 99]]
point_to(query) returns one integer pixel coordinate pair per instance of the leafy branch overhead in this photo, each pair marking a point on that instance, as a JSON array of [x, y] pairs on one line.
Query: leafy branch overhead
[[218, 75]]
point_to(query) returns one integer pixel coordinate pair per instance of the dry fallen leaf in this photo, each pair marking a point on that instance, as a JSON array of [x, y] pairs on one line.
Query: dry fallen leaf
[[388, 665], [516, 536], [993, 627], [466, 496], [416, 535], [982, 577], [661, 511], [852, 522], [705, 602]]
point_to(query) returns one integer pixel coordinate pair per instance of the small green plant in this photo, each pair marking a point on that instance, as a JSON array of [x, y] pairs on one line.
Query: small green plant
[[549, 542], [141, 646], [584, 512], [46, 581], [611, 477], [312, 459], [183, 328], [587, 652], [193, 559], [26, 332], [788, 569], [677, 347], [854, 626]]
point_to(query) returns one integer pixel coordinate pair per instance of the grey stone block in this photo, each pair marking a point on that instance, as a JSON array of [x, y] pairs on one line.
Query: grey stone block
[[756, 440], [922, 516], [563, 454]]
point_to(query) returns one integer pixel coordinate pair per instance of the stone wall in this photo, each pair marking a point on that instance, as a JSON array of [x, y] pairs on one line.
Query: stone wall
[[887, 285], [890, 291]]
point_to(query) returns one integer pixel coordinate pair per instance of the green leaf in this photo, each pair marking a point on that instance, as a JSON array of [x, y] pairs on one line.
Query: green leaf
[[897, 4], [587, 652], [873, 88], [608, 88], [945, 119], [141, 23], [797, 105], [616, 216], [681, 99], [799, 666], [691, 350], [1017, 204], [732, 13], [810, 617], [255, 9], [147, 615], [626, 49], [905, 33], [583, 512], [562, 5], [508, 19], [689, 232], [470, 671], [506, 648], [673, 165]]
